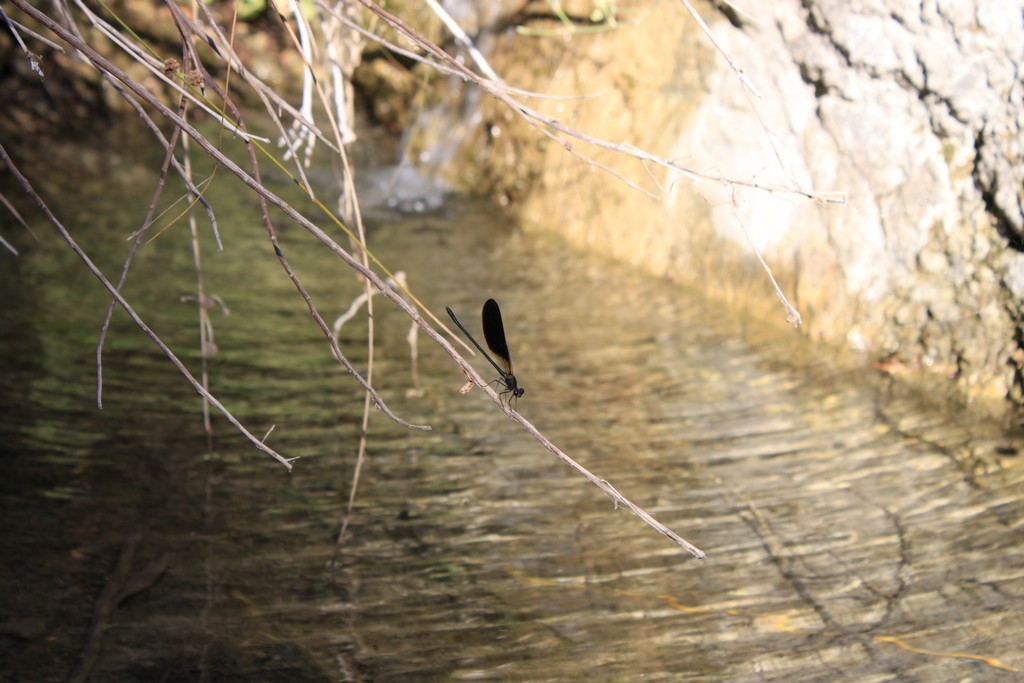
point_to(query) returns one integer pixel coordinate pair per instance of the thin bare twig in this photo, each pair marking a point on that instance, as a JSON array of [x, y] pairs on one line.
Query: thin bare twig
[[600, 483], [792, 314], [437, 66], [298, 133], [13, 24], [207, 346], [14, 212], [271, 99], [348, 207], [34, 60], [462, 39], [695, 15], [131, 312], [559, 132], [150, 210], [156, 70]]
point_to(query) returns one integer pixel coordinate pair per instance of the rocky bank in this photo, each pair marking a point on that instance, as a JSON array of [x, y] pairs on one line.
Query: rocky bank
[[911, 111]]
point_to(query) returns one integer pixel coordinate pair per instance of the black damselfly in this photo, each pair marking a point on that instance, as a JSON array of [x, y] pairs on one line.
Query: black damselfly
[[494, 334]]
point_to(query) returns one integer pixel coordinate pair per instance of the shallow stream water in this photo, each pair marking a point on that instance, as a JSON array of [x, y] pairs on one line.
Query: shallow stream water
[[854, 530]]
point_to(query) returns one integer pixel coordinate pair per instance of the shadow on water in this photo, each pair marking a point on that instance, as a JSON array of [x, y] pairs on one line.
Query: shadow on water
[[852, 532]]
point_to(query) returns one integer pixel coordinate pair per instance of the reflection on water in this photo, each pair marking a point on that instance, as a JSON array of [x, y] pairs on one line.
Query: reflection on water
[[850, 531]]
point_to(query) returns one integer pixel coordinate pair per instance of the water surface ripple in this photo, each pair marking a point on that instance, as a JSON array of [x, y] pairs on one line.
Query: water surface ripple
[[853, 530]]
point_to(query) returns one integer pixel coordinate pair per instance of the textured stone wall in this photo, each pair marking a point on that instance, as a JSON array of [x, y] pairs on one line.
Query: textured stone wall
[[912, 110]]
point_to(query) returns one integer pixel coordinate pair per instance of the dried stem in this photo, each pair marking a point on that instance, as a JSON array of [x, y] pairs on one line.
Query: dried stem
[[600, 483], [563, 134], [27, 186], [150, 210], [206, 343]]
